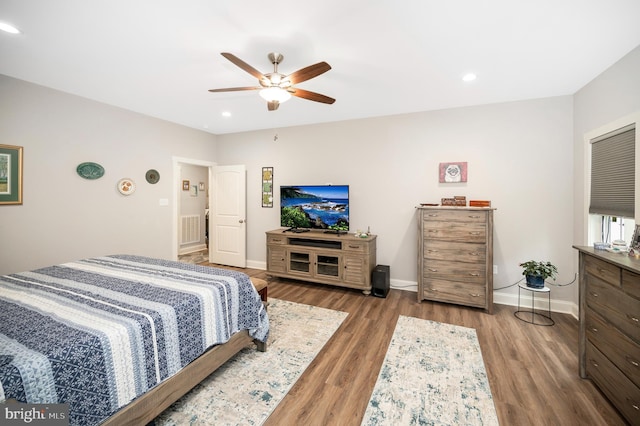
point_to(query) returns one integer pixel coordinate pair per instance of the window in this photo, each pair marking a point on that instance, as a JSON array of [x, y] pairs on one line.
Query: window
[[612, 184], [610, 228], [613, 173]]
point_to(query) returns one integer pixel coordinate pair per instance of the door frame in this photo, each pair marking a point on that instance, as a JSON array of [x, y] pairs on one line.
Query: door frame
[[177, 186]]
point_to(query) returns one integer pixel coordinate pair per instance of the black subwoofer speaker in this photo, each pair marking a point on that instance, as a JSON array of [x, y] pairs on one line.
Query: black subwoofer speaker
[[380, 281]]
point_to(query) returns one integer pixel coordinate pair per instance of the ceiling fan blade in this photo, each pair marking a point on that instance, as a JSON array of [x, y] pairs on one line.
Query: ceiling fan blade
[[242, 64], [312, 96], [273, 105], [235, 89], [309, 72]]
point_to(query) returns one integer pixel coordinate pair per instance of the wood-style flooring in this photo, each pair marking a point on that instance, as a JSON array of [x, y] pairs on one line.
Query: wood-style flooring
[[532, 370]]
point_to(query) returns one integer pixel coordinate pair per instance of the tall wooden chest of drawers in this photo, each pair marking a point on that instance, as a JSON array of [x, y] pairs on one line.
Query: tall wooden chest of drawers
[[455, 255], [610, 327]]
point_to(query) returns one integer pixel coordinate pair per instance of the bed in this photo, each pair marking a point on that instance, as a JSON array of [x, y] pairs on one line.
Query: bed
[[120, 338]]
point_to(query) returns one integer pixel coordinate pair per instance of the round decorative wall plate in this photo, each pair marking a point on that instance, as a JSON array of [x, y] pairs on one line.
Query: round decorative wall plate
[[126, 186], [90, 170], [152, 176]]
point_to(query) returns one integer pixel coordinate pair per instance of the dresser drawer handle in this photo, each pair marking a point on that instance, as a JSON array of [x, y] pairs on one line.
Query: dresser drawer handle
[[593, 294], [354, 247], [474, 295], [433, 215], [474, 253], [474, 274], [636, 407], [595, 364], [432, 251], [634, 363], [475, 233], [474, 216], [595, 330], [432, 270], [634, 319], [433, 289], [433, 231]]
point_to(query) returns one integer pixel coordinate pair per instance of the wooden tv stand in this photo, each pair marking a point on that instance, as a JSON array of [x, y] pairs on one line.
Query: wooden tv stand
[[338, 259]]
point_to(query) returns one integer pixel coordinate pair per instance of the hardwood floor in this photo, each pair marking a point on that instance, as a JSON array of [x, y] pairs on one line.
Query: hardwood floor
[[532, 370]]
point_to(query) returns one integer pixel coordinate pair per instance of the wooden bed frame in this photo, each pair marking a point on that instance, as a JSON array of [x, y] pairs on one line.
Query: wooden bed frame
[[149, 405]]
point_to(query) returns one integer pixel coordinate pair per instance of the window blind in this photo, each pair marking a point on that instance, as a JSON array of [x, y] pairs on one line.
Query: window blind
[[613, 173]]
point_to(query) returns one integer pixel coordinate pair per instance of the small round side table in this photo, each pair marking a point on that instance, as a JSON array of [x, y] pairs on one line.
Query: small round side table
[[531, 316]]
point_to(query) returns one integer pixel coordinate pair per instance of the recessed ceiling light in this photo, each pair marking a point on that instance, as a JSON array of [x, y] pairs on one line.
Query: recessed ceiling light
[[9, 28], [469, 77], [226, 114]]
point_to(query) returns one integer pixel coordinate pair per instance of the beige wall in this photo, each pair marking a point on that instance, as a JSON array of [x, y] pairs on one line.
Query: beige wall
[[520, 156], [65, 217]]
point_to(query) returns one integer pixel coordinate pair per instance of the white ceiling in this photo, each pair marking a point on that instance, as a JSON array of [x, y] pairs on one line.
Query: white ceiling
[[159, 57]]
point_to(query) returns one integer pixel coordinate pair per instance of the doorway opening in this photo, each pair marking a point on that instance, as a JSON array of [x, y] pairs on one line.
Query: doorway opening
[[192, 180]]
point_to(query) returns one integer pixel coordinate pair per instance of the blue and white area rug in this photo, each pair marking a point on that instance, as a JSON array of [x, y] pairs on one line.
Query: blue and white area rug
[[248, 387], [433, 374]]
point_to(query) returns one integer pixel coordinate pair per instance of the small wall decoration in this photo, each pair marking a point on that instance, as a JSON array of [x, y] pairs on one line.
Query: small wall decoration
[[126, 186], [267, 187], [453, 172], [10, 174], [90, 170], [201, 186], [194, 191], [152, 176], [186, 185]]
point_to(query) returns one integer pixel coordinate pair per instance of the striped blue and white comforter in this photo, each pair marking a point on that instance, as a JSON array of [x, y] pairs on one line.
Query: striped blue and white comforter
[[98, 332]]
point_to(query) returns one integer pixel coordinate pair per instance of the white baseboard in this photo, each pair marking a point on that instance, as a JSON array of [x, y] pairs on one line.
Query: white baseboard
[[404, 285], [255, 264], [191, 249], [559, 306]]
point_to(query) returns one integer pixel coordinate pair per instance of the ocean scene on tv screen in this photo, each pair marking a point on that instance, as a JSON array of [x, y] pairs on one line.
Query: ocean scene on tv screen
[[315, 207]]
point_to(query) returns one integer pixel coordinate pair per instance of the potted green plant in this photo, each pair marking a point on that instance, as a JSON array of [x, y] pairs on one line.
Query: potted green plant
[[537, 272]]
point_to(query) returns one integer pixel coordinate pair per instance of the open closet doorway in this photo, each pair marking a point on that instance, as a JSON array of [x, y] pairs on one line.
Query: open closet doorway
[[225, 229]]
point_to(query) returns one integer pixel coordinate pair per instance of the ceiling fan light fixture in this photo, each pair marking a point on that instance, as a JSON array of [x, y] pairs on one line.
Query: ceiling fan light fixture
[[271, 94]]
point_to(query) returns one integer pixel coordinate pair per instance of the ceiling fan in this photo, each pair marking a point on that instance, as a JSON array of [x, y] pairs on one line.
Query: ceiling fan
[[276, 88]]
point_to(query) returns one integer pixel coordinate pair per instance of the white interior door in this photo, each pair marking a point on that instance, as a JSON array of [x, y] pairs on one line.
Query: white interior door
[[227, 216]]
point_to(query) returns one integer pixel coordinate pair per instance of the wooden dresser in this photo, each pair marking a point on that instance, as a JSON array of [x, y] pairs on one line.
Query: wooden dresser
[[610, 327], [455, 255]]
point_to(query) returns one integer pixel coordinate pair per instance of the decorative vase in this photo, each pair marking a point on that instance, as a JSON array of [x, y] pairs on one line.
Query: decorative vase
[[535, 281]]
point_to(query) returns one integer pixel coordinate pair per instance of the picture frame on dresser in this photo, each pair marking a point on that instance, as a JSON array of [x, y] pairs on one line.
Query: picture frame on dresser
[[635, 240]]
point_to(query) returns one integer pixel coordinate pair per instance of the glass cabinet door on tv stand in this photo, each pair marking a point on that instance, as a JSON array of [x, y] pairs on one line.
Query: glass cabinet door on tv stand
[[318, 265]]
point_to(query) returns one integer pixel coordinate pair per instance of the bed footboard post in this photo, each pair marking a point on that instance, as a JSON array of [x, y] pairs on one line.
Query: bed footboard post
[[262, 346]]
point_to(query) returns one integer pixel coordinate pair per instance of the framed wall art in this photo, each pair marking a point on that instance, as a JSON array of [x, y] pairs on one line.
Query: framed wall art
[[267, 187], [10, 174], [453, 172], [186, 185]]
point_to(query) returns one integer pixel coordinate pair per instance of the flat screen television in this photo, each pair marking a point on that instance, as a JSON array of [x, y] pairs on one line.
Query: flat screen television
[[323, 207]]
